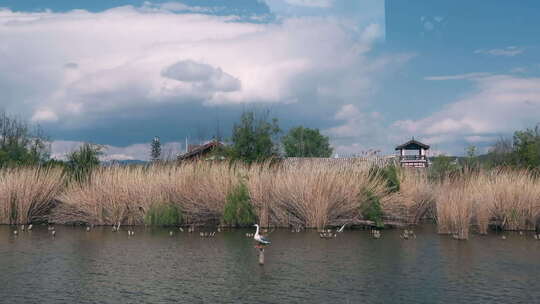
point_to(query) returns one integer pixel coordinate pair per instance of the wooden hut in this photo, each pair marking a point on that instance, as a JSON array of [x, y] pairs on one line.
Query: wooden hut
[[413, 154], [197, 152]]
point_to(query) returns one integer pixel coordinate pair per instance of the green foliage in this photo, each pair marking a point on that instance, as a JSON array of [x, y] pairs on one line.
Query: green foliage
[[254, 138], [20, 144], [527, 148], [238, 209], [81, 162], [442, 166], [155, 152], [371, 208], [306, 142], [164, 214], [389, 174]]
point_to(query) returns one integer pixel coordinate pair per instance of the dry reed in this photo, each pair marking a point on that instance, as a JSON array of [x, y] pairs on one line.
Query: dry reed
[[28, 194]]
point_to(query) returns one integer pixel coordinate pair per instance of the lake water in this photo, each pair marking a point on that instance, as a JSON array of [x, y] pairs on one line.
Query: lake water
[[152, 267]]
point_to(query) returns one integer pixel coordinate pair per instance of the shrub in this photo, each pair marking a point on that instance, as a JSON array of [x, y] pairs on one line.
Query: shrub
[[371, 208], [164, 214], [238, 209], [389, 175]]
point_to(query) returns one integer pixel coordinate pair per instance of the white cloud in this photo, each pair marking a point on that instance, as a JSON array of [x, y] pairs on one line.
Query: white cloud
[[311, 3], [458, 77], [359, 131], [77, 67], [500, 104], [508, 51]]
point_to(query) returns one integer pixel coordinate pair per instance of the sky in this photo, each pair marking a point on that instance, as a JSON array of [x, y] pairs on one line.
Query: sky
[[370, 74]]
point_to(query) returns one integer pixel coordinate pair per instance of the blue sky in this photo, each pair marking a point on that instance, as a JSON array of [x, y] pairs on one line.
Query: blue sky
[[370, 74]]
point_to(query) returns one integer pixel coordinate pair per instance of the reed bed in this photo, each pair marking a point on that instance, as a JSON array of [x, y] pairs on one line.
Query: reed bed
[[414, 201], [315, 194], [28, 194], [505, 199], [310, 194]]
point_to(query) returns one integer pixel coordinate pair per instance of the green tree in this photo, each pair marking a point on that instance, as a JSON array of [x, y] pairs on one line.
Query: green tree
[[81, 162], [155, 152], [254, 138], [306, 142], [527, 148], [21, 144]]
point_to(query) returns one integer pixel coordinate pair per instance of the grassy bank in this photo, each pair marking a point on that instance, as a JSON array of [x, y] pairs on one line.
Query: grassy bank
[[309, 194]]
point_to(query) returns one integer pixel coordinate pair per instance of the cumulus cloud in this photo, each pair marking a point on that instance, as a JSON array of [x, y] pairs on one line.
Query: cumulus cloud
[[499, 104], [311, 3], [79, 68], [358, 130], [507, 51]]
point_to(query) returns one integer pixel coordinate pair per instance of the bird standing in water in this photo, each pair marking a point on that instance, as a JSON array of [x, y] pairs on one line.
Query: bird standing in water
[[259, 238]]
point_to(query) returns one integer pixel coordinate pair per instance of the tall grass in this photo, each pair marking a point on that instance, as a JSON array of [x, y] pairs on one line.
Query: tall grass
[[308, 193], [28, 194], [415, 199]]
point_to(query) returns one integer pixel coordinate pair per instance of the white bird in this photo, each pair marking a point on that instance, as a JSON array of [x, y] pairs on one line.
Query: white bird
[[22, 228], [87, 228], [30, 227], [181, 229], [15, 232], [259, 238], [170, 233], [53, 233], [342, 227]]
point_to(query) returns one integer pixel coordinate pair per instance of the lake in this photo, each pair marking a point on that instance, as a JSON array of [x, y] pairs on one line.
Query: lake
[[102, 266]]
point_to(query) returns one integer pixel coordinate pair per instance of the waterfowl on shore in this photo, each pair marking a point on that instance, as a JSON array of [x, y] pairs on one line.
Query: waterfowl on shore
[[296, 229], [259, 238], [113, 228], [171, 233], [521, 233], [15, 232], [376, 234], [53, 233], [503, 237], [23, 228], [30, 227], [87, 228], [537, 237], [340, 230], [181, 229], [327, 235]]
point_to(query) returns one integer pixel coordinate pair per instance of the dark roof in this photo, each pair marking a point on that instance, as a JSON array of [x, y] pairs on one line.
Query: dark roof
[[412, 145], [200, 150]]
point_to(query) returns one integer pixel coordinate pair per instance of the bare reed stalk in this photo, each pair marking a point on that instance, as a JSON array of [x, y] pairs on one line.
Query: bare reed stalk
[[516, 199], [318, 194], [27, 194], [415, 198], [455, 207]]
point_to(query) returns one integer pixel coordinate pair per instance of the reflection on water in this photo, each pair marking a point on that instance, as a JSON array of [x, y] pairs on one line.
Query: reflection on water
[[106, 267]]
